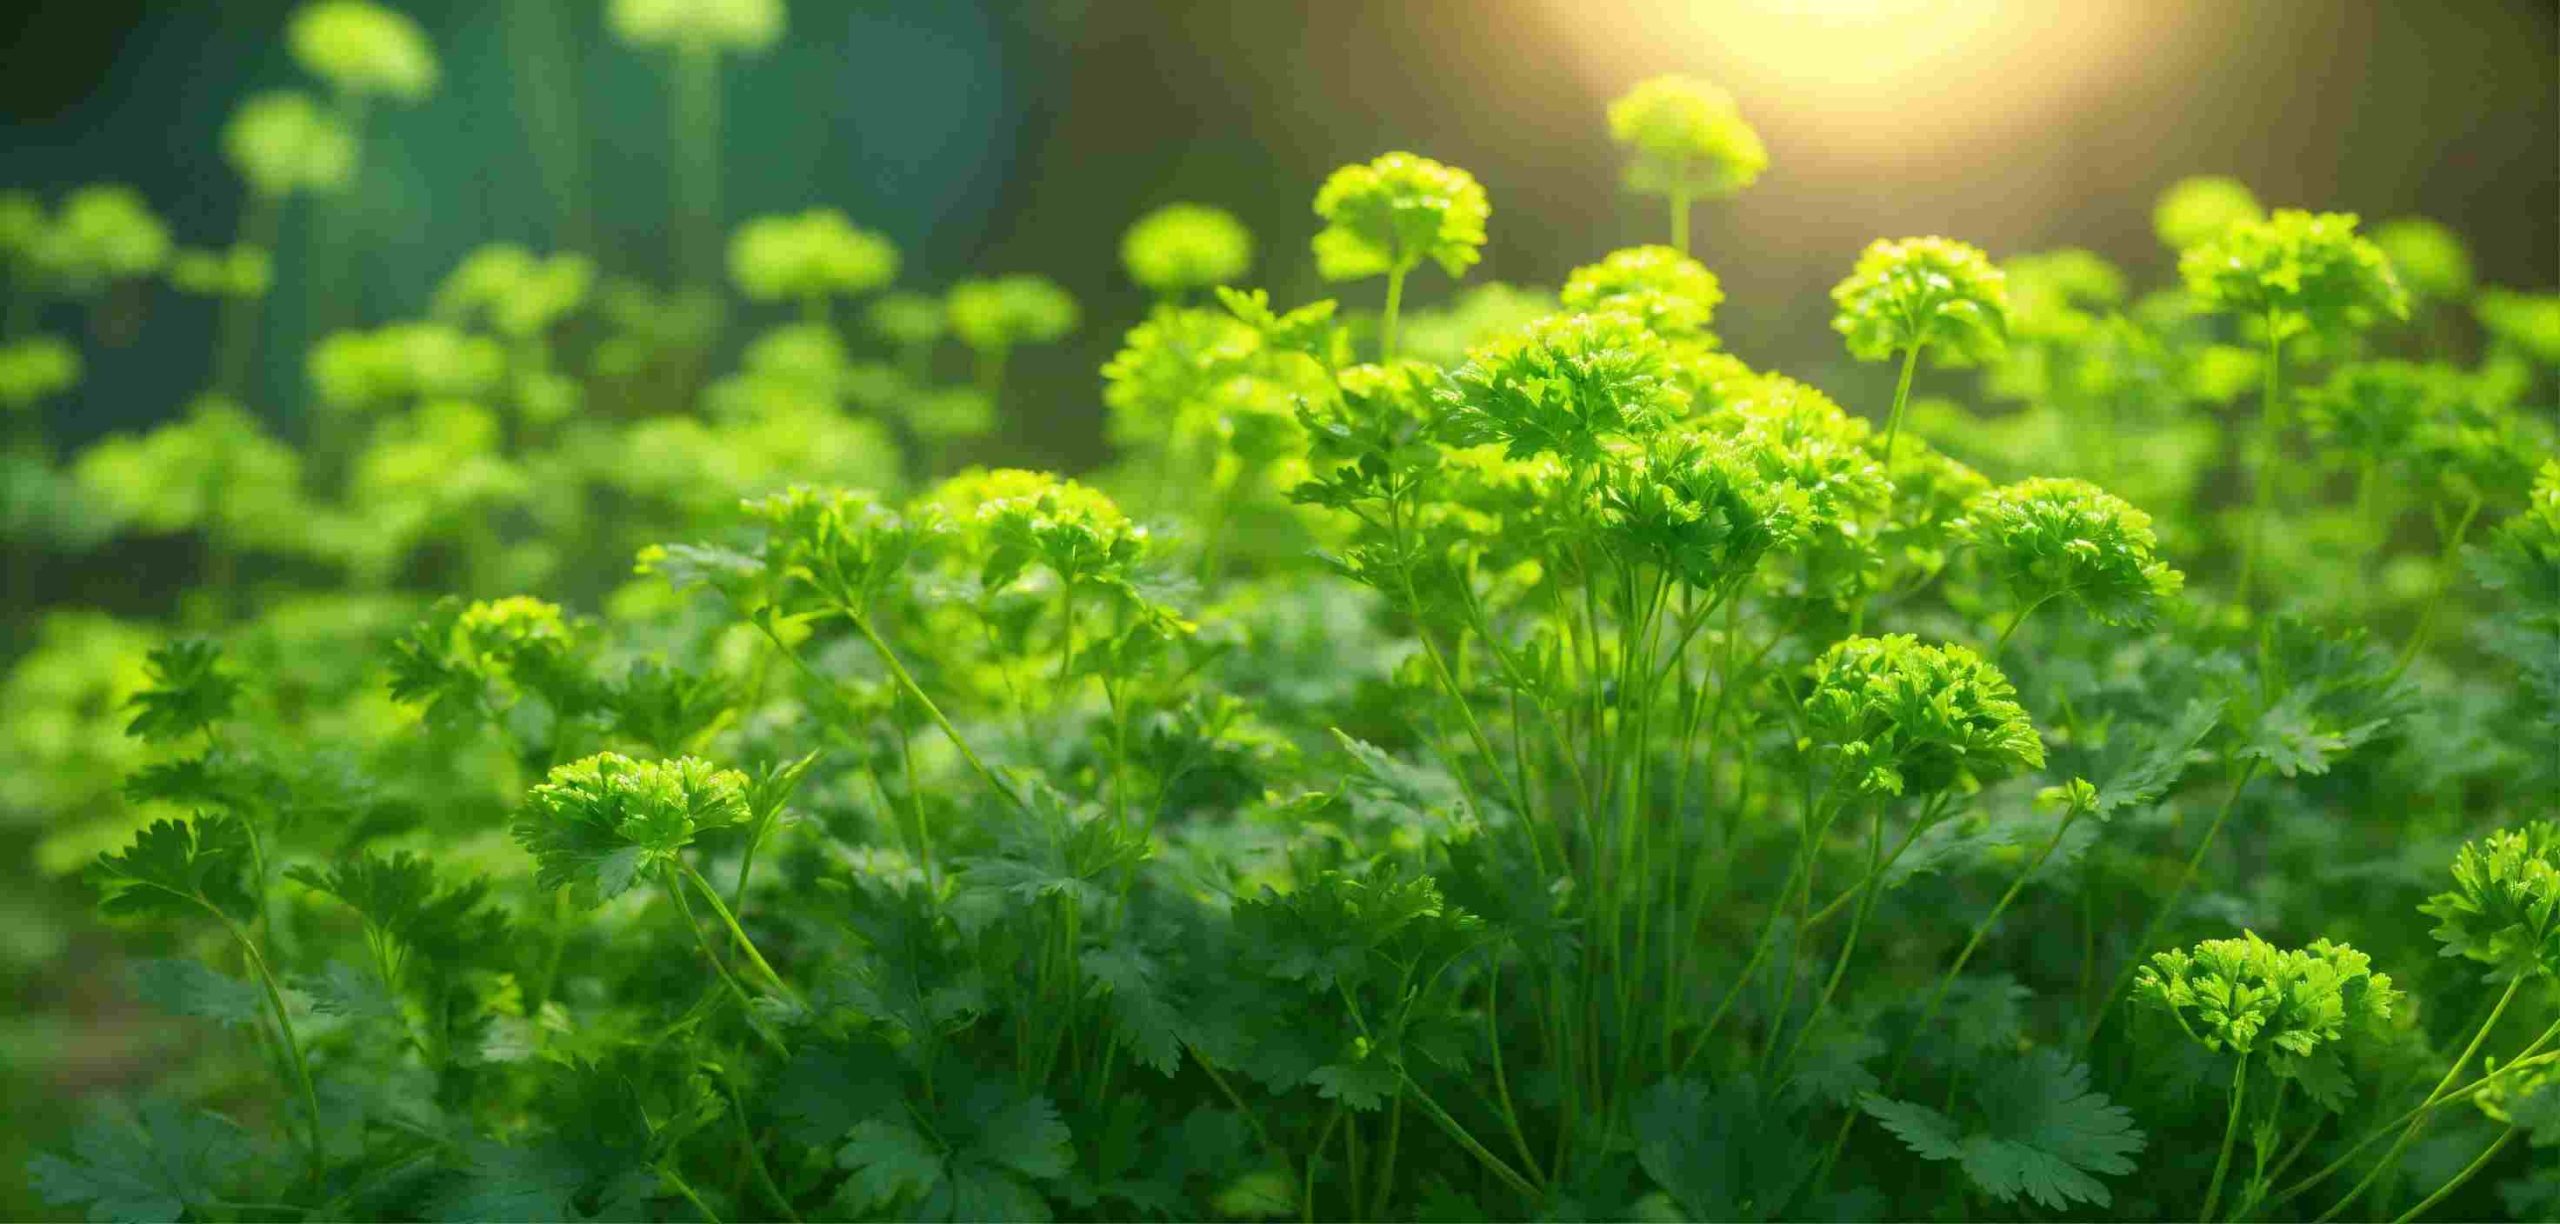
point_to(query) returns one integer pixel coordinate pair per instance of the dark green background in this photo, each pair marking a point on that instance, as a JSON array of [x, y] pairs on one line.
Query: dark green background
[[1023, 136]]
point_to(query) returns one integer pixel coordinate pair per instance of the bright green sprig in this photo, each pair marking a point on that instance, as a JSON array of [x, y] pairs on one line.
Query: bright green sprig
[[809, 257], [1385, 217], [2060, 295], [1685, 136], [2504, 907], [102, 234], [1182, 247], [2427, 258], [215, 468], [2248, 996], [284, 143], [1696, 506], [2529, 323], [1686, 141], [34, 369], [599, 825], [998, 314], [723, 25], [2049, 539], [844, 547], [2195, 211], [1796, 434], [369, 371], [363, 49], [521, 294], [1563, 386], [232, 272], [2439, 428], [1909, 719], [1674, 295], [1915, 294], [2298, 272]]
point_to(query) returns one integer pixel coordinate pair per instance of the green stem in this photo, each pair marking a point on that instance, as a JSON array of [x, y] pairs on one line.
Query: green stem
[[747, 863], [1509, 1176], [2230, 1130], [235, 340], [1680, 221], [2021, 618], [729, 920], [284, 1027], [1901, 401], [1383, 1175], [1315, 1157], [1973, 943], [907, 681], [538, 43], [2391, 1155], [991, 363], [746, 1005], [2523, 1061], [696, 115], [1867, 891], [2504, 1138], [2443, 584], [2269, 442], [1387, 321], [1501, 1084], [2168, 906], [685, 1190], [915, 803], [755, 1158], [1938, 994]]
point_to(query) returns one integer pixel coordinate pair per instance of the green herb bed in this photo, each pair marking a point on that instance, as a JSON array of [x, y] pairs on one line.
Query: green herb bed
[[1484, 754]]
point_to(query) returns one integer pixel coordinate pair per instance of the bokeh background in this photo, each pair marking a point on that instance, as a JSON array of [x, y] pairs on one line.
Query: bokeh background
[[1005, 135]]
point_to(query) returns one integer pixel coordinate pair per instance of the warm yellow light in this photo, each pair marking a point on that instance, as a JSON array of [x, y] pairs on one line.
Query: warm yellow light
[[1872, 73]]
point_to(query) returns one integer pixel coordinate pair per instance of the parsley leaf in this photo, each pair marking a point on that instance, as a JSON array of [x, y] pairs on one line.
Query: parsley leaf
[[2041, 1133]]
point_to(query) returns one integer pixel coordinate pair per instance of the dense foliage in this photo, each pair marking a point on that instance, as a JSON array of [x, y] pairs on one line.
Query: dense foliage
[[1509, 759]]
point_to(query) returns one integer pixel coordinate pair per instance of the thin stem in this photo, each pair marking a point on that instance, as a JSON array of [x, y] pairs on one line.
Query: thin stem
[[1901, 400], [284, 1027], [2443, 583], [907, 681], [1227, 1090], [915, 803], [1501, 1084], [2523, 1061], [2021, 618], [2391, 1155], [730, 921], [695, 113], [1680, 221], [755, 1158], [2168, 906], [2505, 1137], [1981, 930], [746, 1005], [2230, 1130], [2262, 485], [685, 1190], [236, 321], [1383, 1175], [1387, 321], [1509, 1176], [1315, 1157], [747, 862], [1849, 945]]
